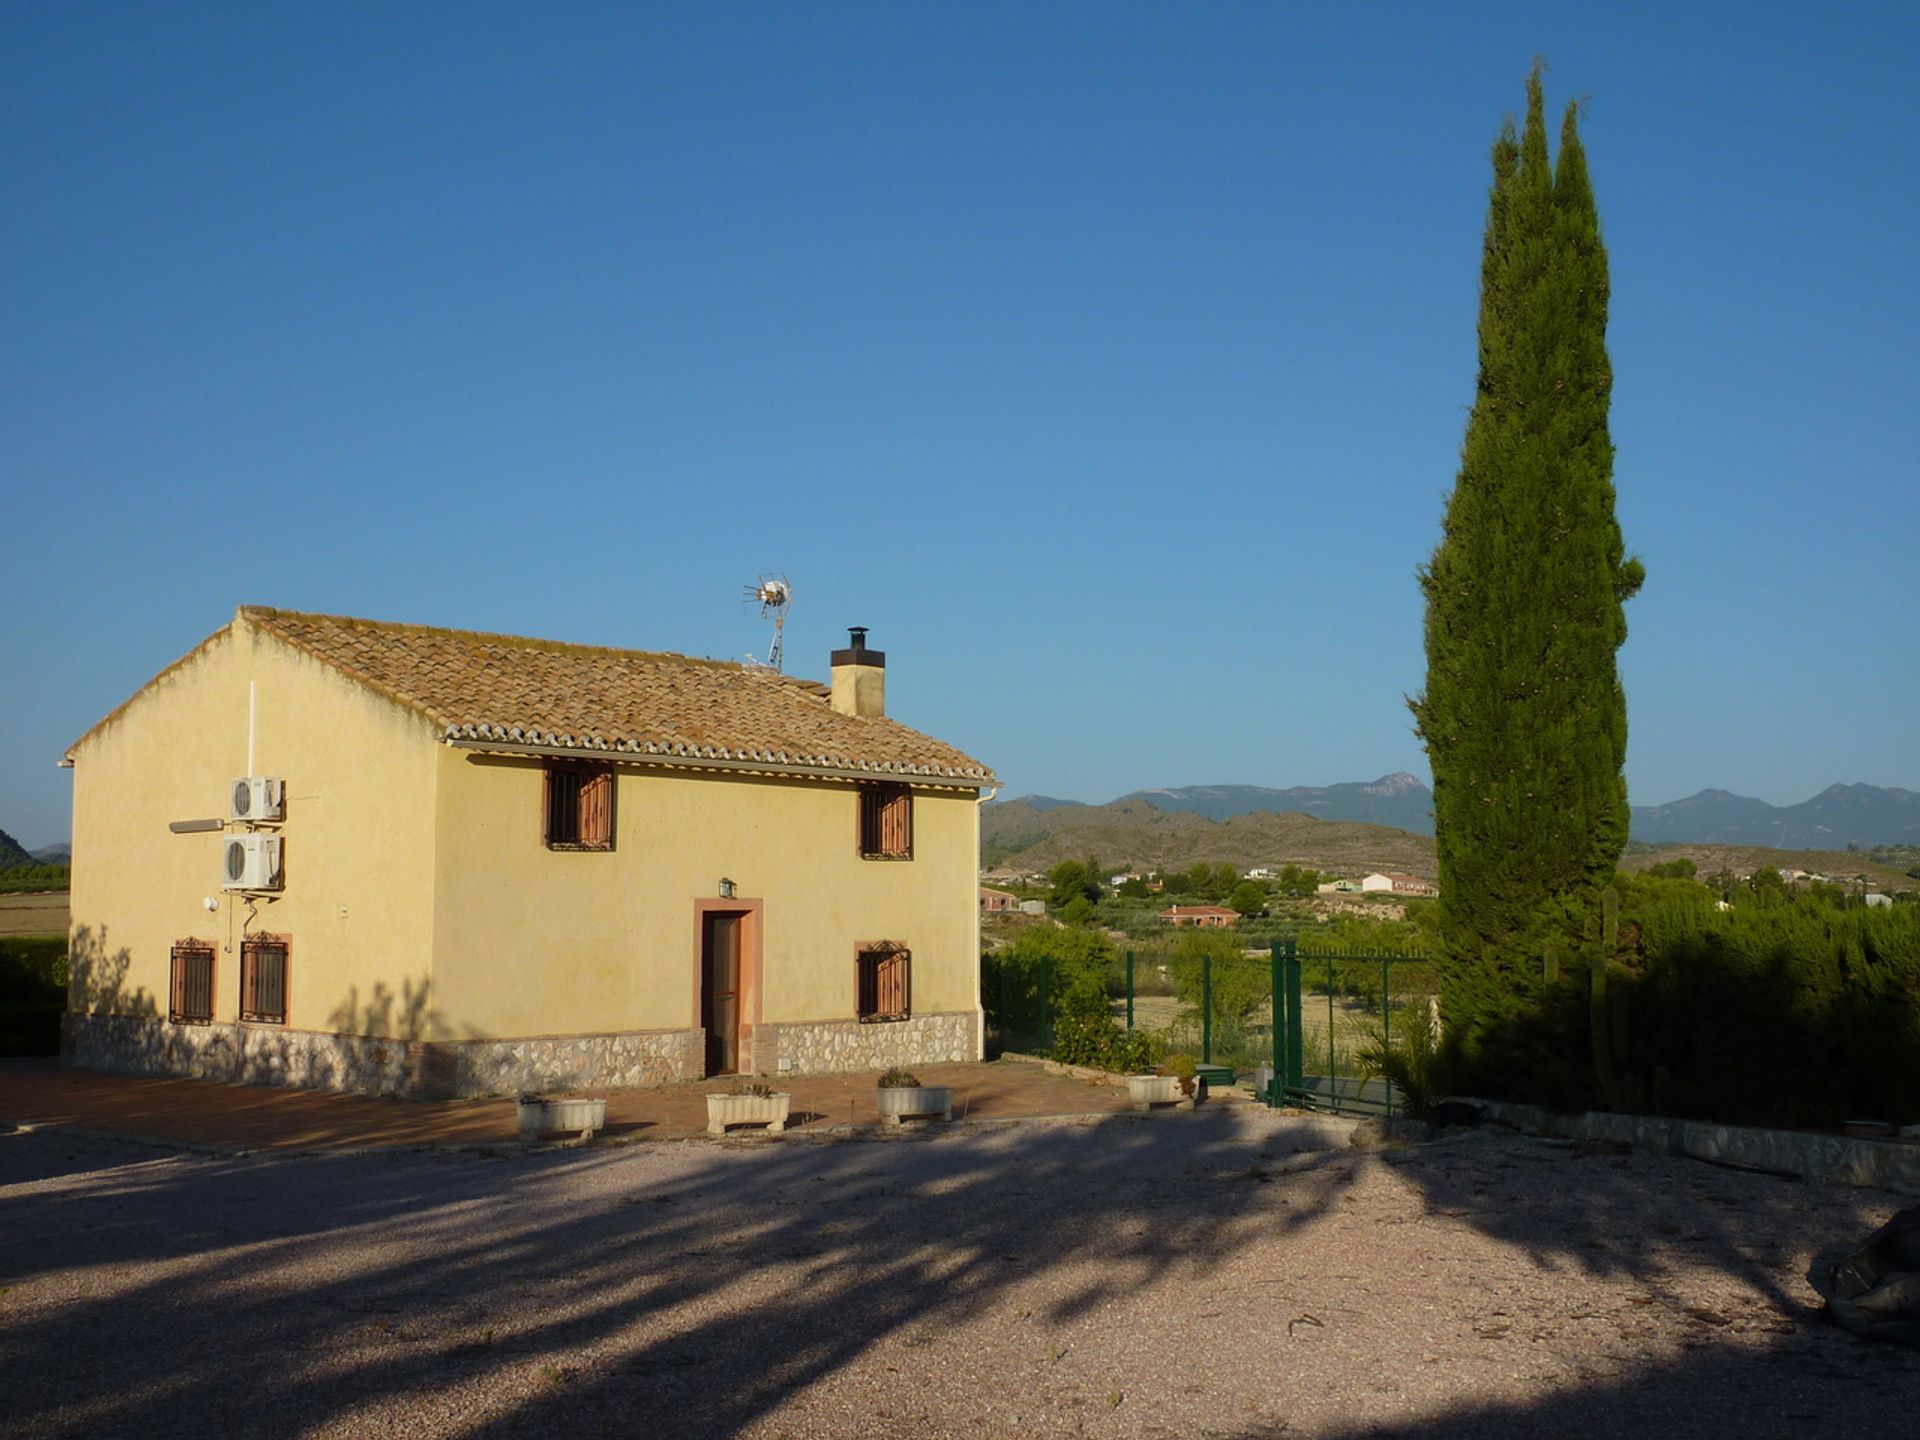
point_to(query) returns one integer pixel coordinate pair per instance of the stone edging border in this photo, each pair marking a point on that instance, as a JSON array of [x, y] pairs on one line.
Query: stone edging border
[[1878, 1164]]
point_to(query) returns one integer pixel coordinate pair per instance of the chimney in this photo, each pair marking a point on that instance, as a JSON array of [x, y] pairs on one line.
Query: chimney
[[859, 677]]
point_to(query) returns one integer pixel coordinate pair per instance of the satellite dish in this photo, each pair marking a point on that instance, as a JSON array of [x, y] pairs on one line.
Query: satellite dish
[[774, 595]]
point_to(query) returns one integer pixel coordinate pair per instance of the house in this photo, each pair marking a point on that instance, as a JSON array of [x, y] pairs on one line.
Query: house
[[1336, 887], [998, 902], [1207, 917], [367, 856], [1394, 883], [1263, 872]]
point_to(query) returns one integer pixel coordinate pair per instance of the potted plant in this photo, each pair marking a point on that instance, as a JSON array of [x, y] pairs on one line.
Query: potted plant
[[748, 1103], [900, 1094], [1173, 1083], [543, 1114]]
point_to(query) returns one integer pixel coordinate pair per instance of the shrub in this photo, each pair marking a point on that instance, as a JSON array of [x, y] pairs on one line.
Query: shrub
[[898, 1079], [34, 968], [1411, 1063], [1101, 1043]]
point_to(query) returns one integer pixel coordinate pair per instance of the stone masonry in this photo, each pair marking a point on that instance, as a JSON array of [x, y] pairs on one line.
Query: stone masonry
[[828, 1046], [269, 1055]]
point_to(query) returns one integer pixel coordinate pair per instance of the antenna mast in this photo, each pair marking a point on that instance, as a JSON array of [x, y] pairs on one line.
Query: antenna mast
[[775, 597]]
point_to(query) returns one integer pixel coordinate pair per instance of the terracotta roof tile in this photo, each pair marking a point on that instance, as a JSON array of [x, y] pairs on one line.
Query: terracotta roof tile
[[551, 695]]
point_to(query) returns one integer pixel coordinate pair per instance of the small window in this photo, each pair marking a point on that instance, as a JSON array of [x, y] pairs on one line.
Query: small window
[[263, 979], [886, 822], [190, 989], [579, 807], [886, 982]]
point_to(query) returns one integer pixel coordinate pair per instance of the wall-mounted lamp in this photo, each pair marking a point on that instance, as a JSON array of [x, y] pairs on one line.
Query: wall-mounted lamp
[[726, 889]]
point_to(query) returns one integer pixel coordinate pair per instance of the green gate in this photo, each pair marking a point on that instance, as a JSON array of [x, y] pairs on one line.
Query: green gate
[[1331, 1009]]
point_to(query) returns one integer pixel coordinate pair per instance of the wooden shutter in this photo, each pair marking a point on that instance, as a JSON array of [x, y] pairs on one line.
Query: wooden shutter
[[596, 809], [896, 824], [886, 822], [885, 982], [263, 979], [895, 998], [191, 983]]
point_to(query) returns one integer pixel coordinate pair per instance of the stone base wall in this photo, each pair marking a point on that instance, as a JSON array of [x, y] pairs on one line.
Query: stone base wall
[[268, 1055], [566, 1062], [820, 1047], [242, 1054], [1882, 1164]]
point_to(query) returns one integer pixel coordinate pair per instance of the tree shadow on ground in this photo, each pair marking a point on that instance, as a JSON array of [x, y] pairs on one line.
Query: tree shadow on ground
[[696, 1287]]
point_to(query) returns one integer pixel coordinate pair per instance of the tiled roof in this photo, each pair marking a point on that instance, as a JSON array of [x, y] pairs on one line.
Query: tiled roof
[[549, 695]]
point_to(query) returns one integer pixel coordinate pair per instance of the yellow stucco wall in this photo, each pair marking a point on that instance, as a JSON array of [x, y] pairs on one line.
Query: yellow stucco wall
[[530, 941], [358, 861]]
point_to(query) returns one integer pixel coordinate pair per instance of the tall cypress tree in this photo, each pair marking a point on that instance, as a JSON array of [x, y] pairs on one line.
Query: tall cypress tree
[[1523, 716]]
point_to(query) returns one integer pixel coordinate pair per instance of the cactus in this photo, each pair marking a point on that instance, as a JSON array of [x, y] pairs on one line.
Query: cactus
[[1597, 1009]]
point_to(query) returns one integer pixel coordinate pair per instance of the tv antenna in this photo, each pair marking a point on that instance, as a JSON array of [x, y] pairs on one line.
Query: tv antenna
[[775, 597]]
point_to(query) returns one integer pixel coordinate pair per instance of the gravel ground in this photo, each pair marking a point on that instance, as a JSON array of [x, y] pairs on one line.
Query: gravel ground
[[1173, 1275]]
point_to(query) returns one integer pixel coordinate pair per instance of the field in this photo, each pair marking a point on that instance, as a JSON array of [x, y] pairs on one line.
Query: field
[[33, 914]]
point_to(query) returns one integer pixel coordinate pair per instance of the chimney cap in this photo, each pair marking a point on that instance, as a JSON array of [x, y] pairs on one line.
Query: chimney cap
[[857, 652]]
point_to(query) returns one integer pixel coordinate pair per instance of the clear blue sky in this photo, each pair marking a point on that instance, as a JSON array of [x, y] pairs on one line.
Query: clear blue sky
[[1110, 361]]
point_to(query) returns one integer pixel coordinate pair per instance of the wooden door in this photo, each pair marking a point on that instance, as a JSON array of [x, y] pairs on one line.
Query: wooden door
[[720, 991]]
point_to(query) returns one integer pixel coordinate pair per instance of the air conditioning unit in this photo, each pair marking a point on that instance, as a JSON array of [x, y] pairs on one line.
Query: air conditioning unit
[[256, 799], [250, 862]]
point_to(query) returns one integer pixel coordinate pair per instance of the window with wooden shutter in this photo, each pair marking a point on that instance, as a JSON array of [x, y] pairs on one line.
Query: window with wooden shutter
[[886, 822], [263, 979], [190, 985], [885, 984], [579, 807]]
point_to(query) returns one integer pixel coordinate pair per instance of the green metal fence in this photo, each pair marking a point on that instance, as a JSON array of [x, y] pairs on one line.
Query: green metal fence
[[1337, 1007], [1333, 1008]]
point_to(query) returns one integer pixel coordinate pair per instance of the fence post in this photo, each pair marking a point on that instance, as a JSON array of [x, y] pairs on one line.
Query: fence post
[[1333, 1059], [1279, 1080], [1386, 1021], [1129, 992], [1206, 1009], [1296, 1054]]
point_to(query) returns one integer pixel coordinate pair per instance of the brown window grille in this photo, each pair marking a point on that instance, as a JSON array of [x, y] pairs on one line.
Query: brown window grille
[[886, 822], [886, 982], [579, 807], [263, 979], [190, 985]]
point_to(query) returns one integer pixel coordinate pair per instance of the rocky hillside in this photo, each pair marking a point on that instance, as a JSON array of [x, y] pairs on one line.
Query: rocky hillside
[[1133, 834]]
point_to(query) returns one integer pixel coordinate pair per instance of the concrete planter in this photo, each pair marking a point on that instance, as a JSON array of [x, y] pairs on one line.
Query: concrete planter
[[1147, 1091], [896, 1104], [540, 1116], [769, 1110]]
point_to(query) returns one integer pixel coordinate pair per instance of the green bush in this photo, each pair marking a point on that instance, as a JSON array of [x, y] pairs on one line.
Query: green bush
[[1240, 983], [33, 969], [21, 879], [1785, 1010], [1047, 973]]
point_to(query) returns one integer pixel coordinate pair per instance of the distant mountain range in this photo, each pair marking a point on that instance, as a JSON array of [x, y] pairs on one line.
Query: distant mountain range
[[1400, 800], [1839, 816]]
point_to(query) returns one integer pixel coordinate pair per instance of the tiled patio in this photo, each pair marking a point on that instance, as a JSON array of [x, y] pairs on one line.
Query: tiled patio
[[252, 1117]]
